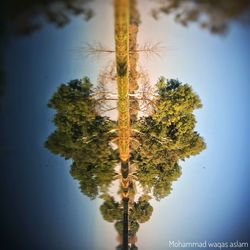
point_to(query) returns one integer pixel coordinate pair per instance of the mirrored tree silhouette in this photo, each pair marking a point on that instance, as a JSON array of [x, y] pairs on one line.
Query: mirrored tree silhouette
[[161, 140], [82, 136], [213, 15], [166, 137], [25, 17], [143, 153]]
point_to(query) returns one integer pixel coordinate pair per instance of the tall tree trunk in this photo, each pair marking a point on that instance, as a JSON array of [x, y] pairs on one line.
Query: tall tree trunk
[[125, 224]]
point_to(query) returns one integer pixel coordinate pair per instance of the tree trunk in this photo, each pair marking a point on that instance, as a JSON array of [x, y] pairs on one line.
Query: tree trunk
[[125, 224]]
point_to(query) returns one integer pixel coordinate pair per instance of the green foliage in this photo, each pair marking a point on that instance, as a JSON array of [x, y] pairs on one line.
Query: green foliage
[[133, 227], [82, 136], [175, 102], [119, 227], [111, 210], [140, 212], [167, 136]]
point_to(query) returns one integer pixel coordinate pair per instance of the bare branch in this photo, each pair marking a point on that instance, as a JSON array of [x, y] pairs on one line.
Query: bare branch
[[94, 49], [98, 49], [149, 49]]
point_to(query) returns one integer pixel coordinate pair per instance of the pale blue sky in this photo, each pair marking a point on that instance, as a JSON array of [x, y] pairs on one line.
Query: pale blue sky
[[43, 208]]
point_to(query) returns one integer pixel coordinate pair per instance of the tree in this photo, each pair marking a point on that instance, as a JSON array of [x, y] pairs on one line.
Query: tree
[[82, 136], [140, 212], [29, 15], [111, 210], [214, 15], [166, 136]]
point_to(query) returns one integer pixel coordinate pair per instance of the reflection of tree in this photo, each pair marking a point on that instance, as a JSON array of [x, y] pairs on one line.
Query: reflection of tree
[[149, 152], [166, 136], [139, 212], [161, 139], [83, 136], [26, 15], [111, 210], [214, 15]]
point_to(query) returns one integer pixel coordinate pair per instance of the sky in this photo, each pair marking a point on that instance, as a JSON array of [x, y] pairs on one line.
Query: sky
[[210, 201], [42, 206]]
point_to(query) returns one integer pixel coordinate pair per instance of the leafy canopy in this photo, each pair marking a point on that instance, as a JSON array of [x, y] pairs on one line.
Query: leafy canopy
[[140, 212], [82, 136], [167, 136]]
